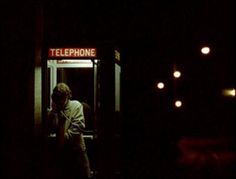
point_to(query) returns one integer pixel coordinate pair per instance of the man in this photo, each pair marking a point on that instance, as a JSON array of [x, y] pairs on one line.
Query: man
[[67, 119]]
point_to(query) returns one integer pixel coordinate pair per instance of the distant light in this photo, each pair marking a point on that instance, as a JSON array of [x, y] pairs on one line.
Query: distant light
[[205, 50], [178, 103], [229, 92], [177, 74], [160, 85]]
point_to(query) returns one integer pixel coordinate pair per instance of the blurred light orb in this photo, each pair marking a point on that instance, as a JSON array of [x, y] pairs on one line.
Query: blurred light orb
[[160, 85], [205, 50], [178, 103], [177, 74], [229, 92]]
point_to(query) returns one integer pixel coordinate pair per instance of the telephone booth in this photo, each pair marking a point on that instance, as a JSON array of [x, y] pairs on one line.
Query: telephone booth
[[93, 74]]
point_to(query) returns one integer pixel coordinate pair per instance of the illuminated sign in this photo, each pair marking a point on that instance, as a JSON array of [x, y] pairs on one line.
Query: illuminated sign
[[72, 52]]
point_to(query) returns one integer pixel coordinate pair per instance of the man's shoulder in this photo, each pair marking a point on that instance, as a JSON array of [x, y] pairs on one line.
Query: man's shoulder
[[75, 103]]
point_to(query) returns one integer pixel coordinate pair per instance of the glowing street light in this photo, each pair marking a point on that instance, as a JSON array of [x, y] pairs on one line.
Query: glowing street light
[[229, 92], [177, 74], [205, 50], [178, 103], [160, 85]]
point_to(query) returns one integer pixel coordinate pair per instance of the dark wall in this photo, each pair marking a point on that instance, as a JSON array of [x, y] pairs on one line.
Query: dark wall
[[17, 89]]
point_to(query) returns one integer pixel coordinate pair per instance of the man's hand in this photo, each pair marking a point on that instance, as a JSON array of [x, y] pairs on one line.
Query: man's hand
[[54, 107]]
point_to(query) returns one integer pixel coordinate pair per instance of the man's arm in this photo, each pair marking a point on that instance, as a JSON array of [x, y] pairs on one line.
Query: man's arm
[[77, 124]]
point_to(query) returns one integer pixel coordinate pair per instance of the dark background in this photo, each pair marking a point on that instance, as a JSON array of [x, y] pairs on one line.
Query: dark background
[[153, 37]]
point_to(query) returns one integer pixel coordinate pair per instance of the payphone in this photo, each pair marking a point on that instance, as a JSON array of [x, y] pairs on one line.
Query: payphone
[[94, 76]]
